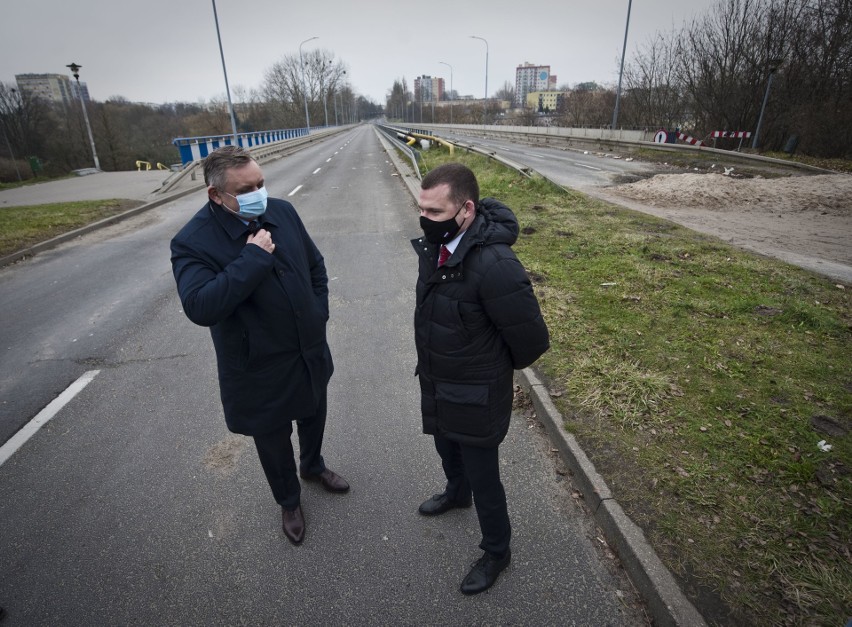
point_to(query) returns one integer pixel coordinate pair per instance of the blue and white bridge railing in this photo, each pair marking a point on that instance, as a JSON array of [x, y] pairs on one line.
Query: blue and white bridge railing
[[195, 148]]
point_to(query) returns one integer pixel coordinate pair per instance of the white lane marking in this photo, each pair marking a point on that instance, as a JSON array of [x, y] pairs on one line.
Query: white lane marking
[[327, 160], [298, 187], [591, 167], [44, 416], [317, 170]]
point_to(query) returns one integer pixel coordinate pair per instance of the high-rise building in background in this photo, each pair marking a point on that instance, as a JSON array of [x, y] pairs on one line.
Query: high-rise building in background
[[52, 87], [428, 89], [530, 77]]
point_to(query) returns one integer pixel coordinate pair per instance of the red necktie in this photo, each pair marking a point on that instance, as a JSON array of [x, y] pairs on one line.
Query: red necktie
[[445, 254]]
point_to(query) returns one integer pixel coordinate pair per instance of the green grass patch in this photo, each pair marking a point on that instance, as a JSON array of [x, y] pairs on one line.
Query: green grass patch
[[21, 227], [838, 165], [699, 378]]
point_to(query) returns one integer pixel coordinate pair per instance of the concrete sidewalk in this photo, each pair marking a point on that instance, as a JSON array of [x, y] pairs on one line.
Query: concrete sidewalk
[[142, 186]]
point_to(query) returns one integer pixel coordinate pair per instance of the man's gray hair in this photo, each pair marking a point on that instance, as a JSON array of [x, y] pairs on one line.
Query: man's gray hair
[[218, 162]]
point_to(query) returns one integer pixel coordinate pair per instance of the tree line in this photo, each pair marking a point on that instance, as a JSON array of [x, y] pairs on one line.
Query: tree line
[[711, 74], [50, 139]]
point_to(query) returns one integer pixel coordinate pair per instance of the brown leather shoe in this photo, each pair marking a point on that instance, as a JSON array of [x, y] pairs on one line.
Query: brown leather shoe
[[330, 480], [293, 523]]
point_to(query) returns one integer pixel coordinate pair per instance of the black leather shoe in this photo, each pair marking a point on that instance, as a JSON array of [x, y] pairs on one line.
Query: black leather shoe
[[484, 573], [329, 479], [293, 523], [441, 503]]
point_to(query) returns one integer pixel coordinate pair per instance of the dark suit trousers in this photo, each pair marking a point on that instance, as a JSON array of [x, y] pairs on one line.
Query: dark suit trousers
[[477, 470], [278, 458]]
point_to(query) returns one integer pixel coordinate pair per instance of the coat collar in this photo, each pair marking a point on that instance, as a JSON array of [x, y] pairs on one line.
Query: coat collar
[[232, 225]]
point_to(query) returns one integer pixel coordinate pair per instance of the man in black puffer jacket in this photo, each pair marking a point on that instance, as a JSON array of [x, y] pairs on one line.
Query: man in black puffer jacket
[[476, 321]]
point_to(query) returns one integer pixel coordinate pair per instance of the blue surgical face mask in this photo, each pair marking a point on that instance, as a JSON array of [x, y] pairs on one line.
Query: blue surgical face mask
[[252, 204]]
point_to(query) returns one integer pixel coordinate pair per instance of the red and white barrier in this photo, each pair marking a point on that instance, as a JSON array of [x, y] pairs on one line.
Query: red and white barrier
[[689, 140]]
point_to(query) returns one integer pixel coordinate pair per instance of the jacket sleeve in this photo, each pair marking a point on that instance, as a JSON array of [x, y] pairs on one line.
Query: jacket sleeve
[[510, 303], [210, 294], [316, 265]]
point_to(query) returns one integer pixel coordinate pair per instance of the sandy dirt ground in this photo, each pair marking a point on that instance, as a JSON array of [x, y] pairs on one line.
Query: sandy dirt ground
[[803, 220]]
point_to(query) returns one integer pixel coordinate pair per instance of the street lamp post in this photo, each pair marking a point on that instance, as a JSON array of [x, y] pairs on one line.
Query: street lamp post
[[304, 93], [484, 109], [225, 72], [773, 67], [451, 88], [621, 71], [75, 70], [324, 95]]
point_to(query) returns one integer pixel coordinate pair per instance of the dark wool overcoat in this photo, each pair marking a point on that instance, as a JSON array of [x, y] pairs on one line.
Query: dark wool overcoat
[[267, 313], [476, 320]]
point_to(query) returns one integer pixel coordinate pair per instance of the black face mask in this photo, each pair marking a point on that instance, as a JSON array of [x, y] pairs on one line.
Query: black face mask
[[442, 232]]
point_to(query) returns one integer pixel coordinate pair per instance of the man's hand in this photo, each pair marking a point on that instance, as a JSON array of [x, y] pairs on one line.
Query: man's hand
[[263, 239]]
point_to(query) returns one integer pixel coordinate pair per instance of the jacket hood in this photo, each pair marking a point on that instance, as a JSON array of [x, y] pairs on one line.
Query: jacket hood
[[494, 224]]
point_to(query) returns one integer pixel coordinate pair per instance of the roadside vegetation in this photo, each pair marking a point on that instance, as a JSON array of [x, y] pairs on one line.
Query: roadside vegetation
[[21, 227], [710, 387]]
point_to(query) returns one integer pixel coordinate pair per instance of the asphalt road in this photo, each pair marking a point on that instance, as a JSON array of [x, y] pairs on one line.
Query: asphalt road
[[579, 169], [134, 505]]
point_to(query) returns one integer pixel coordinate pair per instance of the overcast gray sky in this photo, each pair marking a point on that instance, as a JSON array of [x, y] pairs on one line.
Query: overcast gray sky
[[166, 50]]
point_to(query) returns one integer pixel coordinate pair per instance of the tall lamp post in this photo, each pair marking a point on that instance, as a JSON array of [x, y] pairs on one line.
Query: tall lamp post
[[304, 93], [485, 108], [324, 95], [621, 71], [75, 70], [773, 67], [334, 100], [225, 72], [451, 88]]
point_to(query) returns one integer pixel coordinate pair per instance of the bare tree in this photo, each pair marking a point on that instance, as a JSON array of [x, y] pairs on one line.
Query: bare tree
[[587, 104], [653, 97], [398, 101], [290, 84], [506, 92]]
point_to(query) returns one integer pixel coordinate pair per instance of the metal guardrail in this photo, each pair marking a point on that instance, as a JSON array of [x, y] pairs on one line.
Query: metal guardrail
[[392, 134], [521, 168], [604, 139], [262, 154]]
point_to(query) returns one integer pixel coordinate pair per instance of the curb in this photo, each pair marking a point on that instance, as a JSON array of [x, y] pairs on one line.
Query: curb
[[656, 585], [403, 169]]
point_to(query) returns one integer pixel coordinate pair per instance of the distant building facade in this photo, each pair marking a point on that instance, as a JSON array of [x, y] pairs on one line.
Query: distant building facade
[[530, 77], [51, 87], [545, 101], [428, 89]]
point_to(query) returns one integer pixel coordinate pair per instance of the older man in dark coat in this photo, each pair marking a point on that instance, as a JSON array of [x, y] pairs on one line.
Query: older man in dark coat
[[246, 267]]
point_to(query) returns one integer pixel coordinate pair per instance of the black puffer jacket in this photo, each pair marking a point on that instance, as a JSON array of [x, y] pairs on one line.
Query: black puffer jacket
[[477, 319]]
